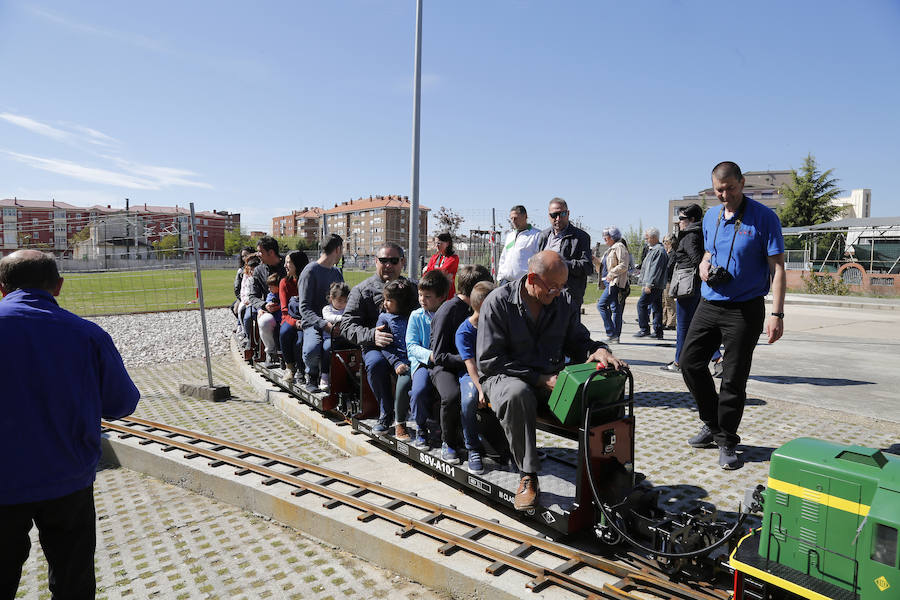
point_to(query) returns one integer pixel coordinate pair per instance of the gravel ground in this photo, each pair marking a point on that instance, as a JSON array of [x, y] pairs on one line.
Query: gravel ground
[[167, 337]]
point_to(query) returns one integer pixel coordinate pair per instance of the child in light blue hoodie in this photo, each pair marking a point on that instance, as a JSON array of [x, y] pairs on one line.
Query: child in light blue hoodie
[[433, 288]]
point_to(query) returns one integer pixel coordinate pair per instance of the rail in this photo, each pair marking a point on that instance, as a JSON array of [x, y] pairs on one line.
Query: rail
[[573, 573]]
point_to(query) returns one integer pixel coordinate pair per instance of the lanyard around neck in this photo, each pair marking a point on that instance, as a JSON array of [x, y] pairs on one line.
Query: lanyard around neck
[[737, 226]]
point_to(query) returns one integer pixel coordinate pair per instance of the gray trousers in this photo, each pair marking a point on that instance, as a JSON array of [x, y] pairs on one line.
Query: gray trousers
[[515, 403]]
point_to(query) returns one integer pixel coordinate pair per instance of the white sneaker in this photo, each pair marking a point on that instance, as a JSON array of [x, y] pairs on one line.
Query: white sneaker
[[324, 381]]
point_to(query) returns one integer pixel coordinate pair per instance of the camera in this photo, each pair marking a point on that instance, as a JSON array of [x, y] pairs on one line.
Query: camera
[[718, 276]]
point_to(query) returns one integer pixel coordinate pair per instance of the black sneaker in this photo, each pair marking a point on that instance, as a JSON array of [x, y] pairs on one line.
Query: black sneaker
[[703, 439], [658, 335], [728, 458]]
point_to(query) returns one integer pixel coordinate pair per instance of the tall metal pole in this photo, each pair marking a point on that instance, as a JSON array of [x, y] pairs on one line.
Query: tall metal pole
[[200, 295], [413, 263]]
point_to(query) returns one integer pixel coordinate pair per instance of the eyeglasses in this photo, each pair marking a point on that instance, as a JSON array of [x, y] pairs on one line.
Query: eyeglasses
[[389, 259], [549, 290], [559, 214]]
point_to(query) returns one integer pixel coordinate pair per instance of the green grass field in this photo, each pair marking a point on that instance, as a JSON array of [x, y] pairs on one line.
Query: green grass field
[[151, 291], [123, 292]]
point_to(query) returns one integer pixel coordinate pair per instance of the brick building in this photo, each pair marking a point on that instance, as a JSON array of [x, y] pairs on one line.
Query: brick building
[[366, 223], [53, 225], [306, 223]]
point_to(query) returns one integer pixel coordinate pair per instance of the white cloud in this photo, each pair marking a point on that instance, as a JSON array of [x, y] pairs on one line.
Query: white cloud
[[137, 176], [164, 176], [36, 127], [141, 41], [98, 138]]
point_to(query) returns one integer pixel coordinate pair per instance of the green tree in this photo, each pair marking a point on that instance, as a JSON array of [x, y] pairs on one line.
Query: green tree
[[235, 240], [167, 246], [808, 198], [635, 240]]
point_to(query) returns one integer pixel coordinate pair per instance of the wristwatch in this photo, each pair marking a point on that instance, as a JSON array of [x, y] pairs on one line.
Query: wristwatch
[[779, 315]]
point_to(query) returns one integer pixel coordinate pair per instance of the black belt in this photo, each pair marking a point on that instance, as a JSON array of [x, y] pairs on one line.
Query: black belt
[[730, 304]]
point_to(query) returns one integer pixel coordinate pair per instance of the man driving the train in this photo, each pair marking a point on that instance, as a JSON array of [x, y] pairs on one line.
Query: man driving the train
[[526, 330]]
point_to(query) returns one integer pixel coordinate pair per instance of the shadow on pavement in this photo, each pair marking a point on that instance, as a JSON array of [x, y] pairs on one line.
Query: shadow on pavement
[[823, 381], [893, 449], [678, 400], [756, 454]]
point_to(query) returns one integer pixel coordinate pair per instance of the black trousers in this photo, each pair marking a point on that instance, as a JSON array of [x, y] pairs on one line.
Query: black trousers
[[447, 385], [737, 325], [67, 530]]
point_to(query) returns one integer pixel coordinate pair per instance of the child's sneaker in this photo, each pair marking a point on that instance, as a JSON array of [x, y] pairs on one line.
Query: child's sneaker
[[448, 454], [475, 464], [400, 432], [421, 441]]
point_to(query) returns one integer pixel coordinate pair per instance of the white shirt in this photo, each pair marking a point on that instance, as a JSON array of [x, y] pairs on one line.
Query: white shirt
[[519, 247]]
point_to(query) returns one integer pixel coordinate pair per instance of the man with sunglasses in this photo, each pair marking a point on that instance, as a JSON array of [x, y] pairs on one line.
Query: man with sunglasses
[[526, 329], [573, 245], [744, 247], [361, 317]]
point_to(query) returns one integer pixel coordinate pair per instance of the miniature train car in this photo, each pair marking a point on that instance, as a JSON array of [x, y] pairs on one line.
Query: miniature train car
[[831, 515]]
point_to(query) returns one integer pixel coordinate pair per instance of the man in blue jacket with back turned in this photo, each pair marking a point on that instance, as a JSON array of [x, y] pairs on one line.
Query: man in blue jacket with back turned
[[50, 425]]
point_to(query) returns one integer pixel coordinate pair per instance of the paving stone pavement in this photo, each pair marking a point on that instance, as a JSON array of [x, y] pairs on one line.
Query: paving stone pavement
[[666, 416], [156, 540], [245, 418]]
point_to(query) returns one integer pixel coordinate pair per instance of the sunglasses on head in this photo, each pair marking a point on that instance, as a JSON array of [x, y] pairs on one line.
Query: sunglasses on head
[[561, 213], [389, 259]]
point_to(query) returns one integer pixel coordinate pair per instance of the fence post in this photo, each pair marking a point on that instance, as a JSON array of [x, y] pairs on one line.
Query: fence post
[[210, 392]]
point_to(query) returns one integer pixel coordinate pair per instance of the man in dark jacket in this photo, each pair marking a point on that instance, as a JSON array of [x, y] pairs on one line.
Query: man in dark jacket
[[573, 245], [50, 425], [272, 263], [361, 317], [526, 329]]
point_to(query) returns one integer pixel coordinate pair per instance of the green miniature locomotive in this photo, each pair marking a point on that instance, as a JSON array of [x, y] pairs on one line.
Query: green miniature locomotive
[[831, 515]]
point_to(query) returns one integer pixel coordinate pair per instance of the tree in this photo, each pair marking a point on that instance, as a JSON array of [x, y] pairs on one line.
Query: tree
[[167, 246], [449, 220], [234, 241], [635, 239], [809, 196]]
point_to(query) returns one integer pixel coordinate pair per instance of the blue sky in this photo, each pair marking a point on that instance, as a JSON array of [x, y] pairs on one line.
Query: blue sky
[[261, 108]]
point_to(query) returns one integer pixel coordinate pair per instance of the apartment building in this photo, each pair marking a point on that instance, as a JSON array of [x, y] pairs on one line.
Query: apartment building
[[52, 225], [306, 223], [366, 223]]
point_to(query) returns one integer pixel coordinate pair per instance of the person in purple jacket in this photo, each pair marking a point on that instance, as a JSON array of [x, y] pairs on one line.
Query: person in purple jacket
[[50, 425]]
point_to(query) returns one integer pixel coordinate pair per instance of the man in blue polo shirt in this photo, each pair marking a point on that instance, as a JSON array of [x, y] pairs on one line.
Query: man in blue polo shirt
[[50, 425], [744, 247]]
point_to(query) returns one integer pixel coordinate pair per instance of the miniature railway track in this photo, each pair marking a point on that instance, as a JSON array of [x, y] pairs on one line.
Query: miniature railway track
[[576, 572]]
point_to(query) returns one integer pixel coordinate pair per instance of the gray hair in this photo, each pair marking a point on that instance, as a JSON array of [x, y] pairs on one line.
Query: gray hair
[[652, 232], [669, 239], [613, 232]]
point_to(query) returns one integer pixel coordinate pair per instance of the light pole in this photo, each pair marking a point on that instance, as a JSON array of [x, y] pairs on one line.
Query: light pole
[[414, 195]]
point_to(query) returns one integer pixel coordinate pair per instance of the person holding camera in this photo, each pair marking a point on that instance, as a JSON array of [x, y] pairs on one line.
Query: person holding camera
[[744, 247]]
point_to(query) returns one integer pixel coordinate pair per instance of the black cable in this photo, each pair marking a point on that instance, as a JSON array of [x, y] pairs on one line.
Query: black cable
[[585, 443]]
